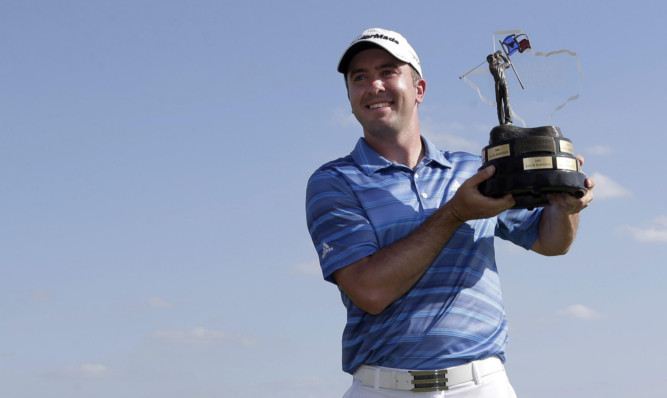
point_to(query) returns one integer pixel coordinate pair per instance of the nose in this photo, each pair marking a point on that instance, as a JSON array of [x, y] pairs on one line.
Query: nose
[[378, 85]]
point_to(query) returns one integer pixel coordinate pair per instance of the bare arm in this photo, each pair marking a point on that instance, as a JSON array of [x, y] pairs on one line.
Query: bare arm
[[376, 281], [560, 221]]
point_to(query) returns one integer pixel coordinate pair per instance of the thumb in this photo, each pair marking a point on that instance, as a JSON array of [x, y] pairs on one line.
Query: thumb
[[483, 175]]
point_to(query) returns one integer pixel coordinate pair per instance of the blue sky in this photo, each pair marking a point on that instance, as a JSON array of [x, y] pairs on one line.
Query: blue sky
[[154, 156]]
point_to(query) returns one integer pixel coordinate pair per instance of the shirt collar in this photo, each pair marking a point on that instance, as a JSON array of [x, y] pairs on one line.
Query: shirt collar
[[434, 154], [371, 161]]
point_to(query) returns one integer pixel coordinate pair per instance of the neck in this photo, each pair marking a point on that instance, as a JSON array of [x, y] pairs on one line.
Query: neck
[[406, 149]]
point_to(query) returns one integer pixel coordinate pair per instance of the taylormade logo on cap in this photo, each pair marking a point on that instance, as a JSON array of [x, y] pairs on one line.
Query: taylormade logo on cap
[[377, 36], [394, 43]]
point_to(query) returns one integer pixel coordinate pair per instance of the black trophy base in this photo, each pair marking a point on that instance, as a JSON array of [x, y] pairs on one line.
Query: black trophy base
[[531, 163]]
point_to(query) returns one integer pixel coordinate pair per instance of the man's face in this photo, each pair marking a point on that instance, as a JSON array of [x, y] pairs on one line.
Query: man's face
[[382, 92]]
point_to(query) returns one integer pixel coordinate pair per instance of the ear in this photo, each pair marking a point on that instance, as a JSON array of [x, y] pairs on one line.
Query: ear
[[421, 90]]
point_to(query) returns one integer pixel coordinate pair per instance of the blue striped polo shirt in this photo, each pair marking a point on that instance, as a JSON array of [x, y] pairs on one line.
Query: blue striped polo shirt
[[361, 203]]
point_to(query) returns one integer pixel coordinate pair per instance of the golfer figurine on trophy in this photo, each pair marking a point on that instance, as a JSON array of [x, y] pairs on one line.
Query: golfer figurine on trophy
[[530, 162]]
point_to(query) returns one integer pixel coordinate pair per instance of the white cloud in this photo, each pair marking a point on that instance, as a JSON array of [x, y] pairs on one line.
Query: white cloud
[[344, 116], [159, 302], [606, 188], [580, 311], [453, 137], [203, 336], [656, 232], [89, 370], [307, 268], [600, 150], [453, 142], [661, 220]]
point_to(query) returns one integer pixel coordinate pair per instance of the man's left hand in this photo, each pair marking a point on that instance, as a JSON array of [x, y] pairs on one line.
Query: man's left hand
[[569, 204]]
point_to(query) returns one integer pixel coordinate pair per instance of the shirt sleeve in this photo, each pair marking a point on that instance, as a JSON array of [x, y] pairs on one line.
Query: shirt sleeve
[[519, 226], [337, 223]]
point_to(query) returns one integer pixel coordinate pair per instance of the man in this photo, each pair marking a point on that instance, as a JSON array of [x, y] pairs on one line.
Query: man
[[497, 65], [403, 231]]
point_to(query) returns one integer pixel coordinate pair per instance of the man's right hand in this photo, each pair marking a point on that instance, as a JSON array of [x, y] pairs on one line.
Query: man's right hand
[[470, 204]]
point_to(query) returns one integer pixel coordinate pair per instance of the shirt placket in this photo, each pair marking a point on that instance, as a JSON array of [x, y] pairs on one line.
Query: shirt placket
[[421, 189]]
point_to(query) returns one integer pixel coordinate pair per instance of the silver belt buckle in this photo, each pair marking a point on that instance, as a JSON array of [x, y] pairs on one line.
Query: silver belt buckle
[[432, 380]]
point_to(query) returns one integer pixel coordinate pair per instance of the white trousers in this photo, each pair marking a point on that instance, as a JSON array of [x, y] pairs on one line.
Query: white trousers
[[495, 385]]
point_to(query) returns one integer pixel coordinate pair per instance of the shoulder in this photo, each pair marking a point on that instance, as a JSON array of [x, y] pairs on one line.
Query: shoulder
[[334, 170], [464, 162], [461, 156], [334, 165], [332, 176]]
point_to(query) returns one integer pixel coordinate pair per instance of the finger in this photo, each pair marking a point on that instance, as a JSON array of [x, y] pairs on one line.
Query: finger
[[568, 203], [590, 183], [483, 175], [508, 200]]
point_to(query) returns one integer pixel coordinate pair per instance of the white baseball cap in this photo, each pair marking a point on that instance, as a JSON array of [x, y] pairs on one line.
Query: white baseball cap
[[394, 43]]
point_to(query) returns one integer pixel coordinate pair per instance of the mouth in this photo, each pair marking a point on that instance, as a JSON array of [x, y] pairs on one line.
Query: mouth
[[379, 105]]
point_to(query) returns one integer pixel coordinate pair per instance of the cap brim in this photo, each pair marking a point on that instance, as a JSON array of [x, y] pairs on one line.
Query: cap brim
[[355, 49]]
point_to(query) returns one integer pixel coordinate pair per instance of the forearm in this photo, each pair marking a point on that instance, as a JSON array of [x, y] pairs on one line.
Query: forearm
[[556, 232], [560, 221], [376, 281]]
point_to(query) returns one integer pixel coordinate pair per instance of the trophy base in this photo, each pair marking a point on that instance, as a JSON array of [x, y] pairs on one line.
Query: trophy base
[[531, 163]]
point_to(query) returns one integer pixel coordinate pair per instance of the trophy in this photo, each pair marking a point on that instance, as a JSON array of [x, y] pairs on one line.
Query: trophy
[[530, 162]]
